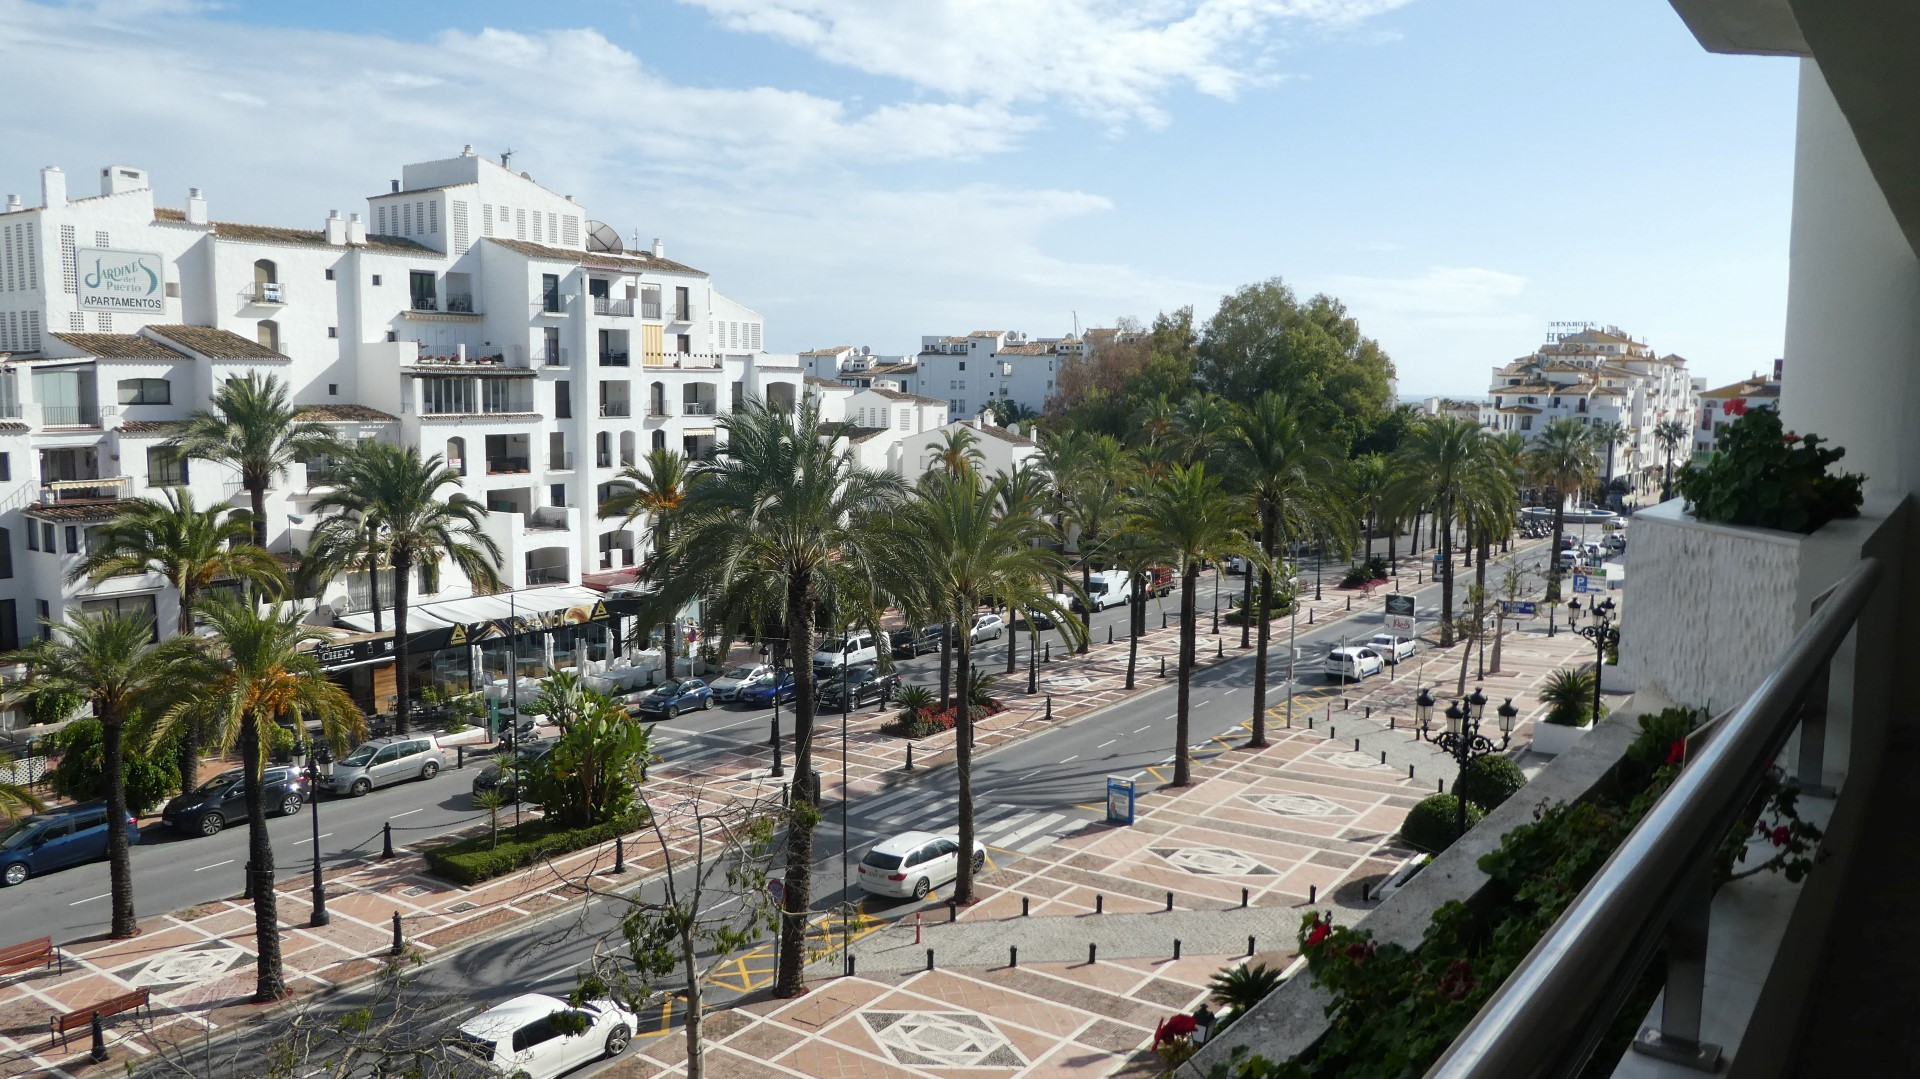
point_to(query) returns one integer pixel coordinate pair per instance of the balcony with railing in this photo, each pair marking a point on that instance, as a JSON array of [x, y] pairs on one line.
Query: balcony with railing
[[460, 303], [616, 409], [70, 415], [650, 309], [560, 462], [610, 358], [619, 307], [87, 489], [266, 293]]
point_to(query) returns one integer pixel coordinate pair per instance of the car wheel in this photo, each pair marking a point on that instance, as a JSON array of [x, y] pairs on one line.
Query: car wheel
[[13, 874], [290, 804], [921, 887], [617, 1040], [979, 860], [706, 704], [360, 788], [997, 633], [429, 769], [211, 823]]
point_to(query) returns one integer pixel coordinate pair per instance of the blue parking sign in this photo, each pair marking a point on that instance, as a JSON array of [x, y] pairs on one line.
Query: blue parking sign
[[1581, 583]]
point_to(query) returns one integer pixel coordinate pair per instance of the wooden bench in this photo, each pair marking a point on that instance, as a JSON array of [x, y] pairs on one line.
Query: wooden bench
[[63, 1026], [34, 953]]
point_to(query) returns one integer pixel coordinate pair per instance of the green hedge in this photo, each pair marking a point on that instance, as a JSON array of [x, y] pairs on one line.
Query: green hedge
[[1434, 824], [1489, 781], [478, 858]]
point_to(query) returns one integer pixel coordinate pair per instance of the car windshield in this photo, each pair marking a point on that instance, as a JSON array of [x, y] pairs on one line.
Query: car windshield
[[360, 756], [671, 688], [18, 831], [473, 1045], [833, 644], [881, 861], [741, 673], [219, 782]]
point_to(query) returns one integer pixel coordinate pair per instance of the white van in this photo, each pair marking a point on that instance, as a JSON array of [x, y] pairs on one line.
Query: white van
[[835, 652], [1109, 588]]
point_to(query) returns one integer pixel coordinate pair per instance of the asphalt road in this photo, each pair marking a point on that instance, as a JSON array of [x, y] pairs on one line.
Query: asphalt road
[[1028, 791]]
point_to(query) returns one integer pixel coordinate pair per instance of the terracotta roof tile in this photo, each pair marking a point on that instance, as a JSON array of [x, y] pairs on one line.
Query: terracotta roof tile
[[344, 414], [1000, 433], [896, 395], [120, 346], [1026, 350], [274, 234], [102, 510], [215, 344], [150, 427], [832, 351], [13, 427], [598, 260], [852, 432]]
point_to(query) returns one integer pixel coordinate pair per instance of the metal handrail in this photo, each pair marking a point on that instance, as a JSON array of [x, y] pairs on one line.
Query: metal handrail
[[1552, 1011]]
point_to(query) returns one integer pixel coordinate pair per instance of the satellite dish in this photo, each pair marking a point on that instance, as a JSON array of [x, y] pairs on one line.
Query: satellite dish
[[602, 237]]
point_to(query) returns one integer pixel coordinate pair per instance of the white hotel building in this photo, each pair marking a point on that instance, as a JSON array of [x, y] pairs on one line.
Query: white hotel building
[[469, 311], [971, 373]]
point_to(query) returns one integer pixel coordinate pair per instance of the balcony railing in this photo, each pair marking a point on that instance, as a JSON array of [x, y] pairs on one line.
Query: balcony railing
[[608, 305], [697, 408], [547, 575], [650, 309], [1656, 888], [560, 462], [69, 415], [555, 357], [657, 411], [551, 305], [683, 314], [547, 519], [264, 292], [499, 465], [426, 303], [460, 303], [616, 409], [90, 489], [609, 358], [603, 460]]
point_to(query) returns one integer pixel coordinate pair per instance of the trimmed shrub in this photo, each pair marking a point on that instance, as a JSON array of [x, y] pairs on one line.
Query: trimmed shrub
[[472, 860], [1490, 781], [1430, 826], [1568, 695]]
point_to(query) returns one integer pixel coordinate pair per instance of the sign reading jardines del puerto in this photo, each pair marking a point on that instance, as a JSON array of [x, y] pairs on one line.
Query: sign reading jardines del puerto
[[120, 280]]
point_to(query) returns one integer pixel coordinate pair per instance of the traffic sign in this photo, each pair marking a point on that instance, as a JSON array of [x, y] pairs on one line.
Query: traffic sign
[[1583, 583], [1400, 616], [1518, 608]]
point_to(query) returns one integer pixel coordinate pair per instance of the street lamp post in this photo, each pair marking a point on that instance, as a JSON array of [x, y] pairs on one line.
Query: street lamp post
[[320, 915], [1462, 739], [1603, 633], [774, 739]]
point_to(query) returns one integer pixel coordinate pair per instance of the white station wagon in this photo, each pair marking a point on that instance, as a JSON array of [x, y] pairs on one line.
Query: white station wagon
[[529, 1035]]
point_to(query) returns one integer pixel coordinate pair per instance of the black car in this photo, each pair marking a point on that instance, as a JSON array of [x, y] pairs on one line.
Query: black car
[[493, 776], [863, 684], [908, 643], [222, 800]]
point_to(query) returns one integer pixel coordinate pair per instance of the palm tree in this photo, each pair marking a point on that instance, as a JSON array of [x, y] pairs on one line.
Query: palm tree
[[658, 490], [399, 492], [1190, 519], [956, 452], [252, 676], [786, 515], [1608, 433], [1294, 479], [1238, 988], [1369, 479], [192, 548], [1092, 500], [1670, 434], [16, 798], [108, 659], [954, 537], [1202, 423], [1449, 466], [343, 543], [254, 428], [1562, 460]]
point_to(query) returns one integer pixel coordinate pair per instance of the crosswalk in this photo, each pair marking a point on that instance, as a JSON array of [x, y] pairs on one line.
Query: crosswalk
[[1001, 826]]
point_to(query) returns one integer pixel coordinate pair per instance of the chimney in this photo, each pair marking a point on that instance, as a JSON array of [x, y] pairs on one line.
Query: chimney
[[13, 203], [196, 207], [467, 150], [396, 187], [117, 179], [659, 249], [356, 230], [53, 186], [336, 228]]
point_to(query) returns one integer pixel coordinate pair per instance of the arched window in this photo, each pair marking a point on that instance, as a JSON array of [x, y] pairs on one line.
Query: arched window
[[266, 282], [659, 440], [457, 455], [658, 399], [268, 334]]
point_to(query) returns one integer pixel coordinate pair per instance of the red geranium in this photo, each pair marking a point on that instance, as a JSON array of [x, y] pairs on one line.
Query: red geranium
[[1174, 1026], [1319, 932], [1781, 836], [1677, 753]]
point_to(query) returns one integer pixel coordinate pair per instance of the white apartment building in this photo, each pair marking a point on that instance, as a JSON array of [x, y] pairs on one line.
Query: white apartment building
[[1728, 403], [891, 431], [470, 312], [1596, 375], [971, 374]]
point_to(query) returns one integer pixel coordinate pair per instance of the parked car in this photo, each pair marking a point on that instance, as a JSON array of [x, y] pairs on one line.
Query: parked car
[[1353, 664], [1392, 649], [914, 863], [836, 652], [383, 761], [1109, 588], [727, 687], [763, 694], [987, 627], [222, 800], [863, 683], [56, 839], [496, 777], [527, 1036], [908, 643], [672, 698]]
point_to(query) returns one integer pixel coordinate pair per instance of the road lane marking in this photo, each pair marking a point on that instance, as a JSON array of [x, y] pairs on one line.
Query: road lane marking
[[1075, 757], [1107, 743], [77, 902], [1148, 727], [323, 835], [408, 813], [1231, 692], [215, 865], [1033, 773]]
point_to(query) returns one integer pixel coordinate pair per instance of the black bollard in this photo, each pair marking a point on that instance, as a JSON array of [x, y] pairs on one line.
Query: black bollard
[[1356, 745], [1313, 893], [619, 854], [1049, 706], [1369, 711], [1383, 756], [1163, 620], [1249, 947], [1440, 786], [1243, 898], [1309, 721], [1013, 955], [929, 960], [1093, 953], [459, 756], [386, 840], [1046, 652], [99, 1053], [1169, 900], [1109, 634], [1409, 771], [1392, 723], [1023, 906], [953, 910], [399, 942], [1176, 949], [1309, 616], [849, 964], [1219, 647], [909, 756], [1163, 666], [1332, 731], [1099, 904]]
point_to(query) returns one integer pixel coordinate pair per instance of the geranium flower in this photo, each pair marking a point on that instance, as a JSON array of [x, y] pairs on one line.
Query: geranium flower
[[1677, 752], [1781, 836], [1319, 932]]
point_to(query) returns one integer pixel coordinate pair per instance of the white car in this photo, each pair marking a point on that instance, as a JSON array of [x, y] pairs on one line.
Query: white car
[[1393, 649], [727, 687], [528, 1035], [988, 627], [1353, 664], [912, 864]]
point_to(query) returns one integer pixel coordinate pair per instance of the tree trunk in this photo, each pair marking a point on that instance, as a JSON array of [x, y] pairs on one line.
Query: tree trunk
[[257, 498], [696, 1007], [1499, 635], [946, 665], [802, 812], [373, 590], [1246, 606], [402, 668], [1445, 539], [1136, 618], [1182, 765], [1269, 529], [1013, 641], [1466, 542], [187, 743], [1393, 548], [1553, 556], [1086, 589], [119, 867], [1466, 654], [270, 983], [963, 769]]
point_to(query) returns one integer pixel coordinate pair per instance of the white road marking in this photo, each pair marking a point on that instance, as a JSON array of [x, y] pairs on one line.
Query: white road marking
[[215, 865], [77, 902], [1075, 757], [1043, 823], [1106, 743], [1148, 727], [1033, 773], [1231, 692], [323, 835], [408, 813]]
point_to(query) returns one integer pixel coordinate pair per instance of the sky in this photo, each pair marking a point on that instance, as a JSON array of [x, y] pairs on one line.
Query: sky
[[1459, 172]]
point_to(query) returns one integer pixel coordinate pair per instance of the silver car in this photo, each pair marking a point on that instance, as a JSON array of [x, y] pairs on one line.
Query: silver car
[[388, 760]]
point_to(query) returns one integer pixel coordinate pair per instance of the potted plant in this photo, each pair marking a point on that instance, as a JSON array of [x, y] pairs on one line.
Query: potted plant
[[1720, 578], [1568, 697]]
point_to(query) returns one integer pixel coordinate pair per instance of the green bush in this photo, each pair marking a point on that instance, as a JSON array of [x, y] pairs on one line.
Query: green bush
[[1430, 826], [149, 775], [472, 860], [1490, 781], [1568, 695], [49, 706], [1759, 475]]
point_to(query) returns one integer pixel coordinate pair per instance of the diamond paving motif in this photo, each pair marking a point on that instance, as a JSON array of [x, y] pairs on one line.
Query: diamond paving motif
[[942, 1039], [1299, 805], [1349, 759], [190, 965], [1213, 861]]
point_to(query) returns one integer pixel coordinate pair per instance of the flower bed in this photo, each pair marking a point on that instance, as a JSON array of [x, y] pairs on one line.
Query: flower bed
[[479, 858], [910, 723]]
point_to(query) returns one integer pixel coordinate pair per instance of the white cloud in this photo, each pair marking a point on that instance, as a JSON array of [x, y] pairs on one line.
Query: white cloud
[[1114, 60]]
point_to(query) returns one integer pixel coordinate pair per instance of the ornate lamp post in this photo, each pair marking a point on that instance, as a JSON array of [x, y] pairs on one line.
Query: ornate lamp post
[[774, 740], [1602, 632], [315, 777], [1462, 739]]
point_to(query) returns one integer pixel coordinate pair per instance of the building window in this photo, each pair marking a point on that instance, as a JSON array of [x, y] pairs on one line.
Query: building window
[[33, 537], [376, 280], [73, 539], [146, 391], [392, 336], [446, 396], [333, 389], [329, 275], [557, 494], [44, 611], [963, 365], [685, 343], [333, 331], [550, 292], [682, 304], [6, 553], [46, 538], [562, 400], [9, 626], [166, 467], [6, 466]]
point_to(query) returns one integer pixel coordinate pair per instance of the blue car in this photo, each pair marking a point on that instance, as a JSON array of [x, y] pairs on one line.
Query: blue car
[[673, 698], [57, 839], [764, 694]]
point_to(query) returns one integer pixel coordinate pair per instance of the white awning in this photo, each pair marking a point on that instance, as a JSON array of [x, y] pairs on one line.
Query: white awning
[[445, 613]]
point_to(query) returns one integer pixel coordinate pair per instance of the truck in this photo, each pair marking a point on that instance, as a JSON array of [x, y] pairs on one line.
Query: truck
[[1159, 581]]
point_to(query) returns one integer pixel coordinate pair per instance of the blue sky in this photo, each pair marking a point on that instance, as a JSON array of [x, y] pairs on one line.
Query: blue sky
[[866, 171]]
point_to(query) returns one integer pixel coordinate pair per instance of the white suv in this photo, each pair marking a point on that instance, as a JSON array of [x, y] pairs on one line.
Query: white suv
[[1353, 664], [530, 1035], [835, 652], [1392, 648]]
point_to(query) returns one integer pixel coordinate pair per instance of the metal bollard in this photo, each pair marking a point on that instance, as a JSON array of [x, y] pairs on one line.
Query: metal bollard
[[1109, 634], [386, 840], [1219, 647], [953, 910], [1099, 904], [1309, 721], [1313, 893], [1369, 711], [1163, 620], [849, 964], [1383, 756], [1356, 745], [1409, 771], [929, 960], [1249, 947], [1440, 786], [399, 942], [1013, 955], [1243, 898], [1163, 666], [460, 757], [1093, 953], [1349, 603], [1049, 706], [1046, 652], [1169, 900], [99, 1051], [619, 854], [1392, 724], [1332, 731], [1309, 616], [1023, 906], [1176, 949], [909, 756]]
